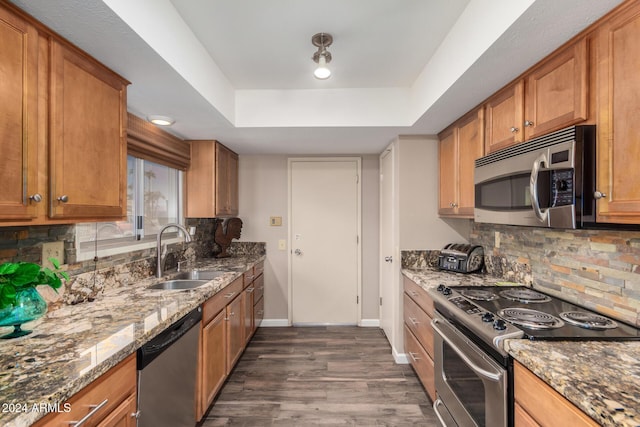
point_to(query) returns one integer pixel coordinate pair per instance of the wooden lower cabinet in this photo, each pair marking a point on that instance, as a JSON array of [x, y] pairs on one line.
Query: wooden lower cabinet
[[537, 404], [212, 362], [235, 331], [116, 387], [418, 334]]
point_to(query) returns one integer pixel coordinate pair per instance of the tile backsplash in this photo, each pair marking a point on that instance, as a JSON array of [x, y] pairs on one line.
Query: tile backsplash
[[597, 269]]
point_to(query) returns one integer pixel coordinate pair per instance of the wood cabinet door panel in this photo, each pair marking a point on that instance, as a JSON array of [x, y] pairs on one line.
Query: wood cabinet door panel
[[504, 114], [87, 138], [471, 147], [545, 405], [212, 362], [419, 323], [421, 362], [248, 312], [123, 415], [618, 61], [447, 165], [258, 313], [18, 117], [419, 295], [235, 331], [557, 91]]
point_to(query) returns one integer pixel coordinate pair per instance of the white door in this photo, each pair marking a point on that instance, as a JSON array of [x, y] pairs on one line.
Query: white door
[[386, 242], [324, 240]]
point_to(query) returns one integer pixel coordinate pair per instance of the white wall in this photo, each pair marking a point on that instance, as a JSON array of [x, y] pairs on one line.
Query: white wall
[[263, 193]]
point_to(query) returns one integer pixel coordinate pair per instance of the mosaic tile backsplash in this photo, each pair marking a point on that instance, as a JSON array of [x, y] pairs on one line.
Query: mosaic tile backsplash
[[597, 269]]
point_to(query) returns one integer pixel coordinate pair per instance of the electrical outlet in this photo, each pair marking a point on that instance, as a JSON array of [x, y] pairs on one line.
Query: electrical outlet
[[52, 250]]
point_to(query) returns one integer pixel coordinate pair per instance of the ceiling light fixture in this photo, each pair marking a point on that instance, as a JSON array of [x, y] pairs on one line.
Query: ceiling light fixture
[[322, 57], [161, 120]]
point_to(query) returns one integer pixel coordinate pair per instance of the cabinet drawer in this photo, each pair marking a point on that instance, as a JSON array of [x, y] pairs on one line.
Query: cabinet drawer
[[258, 269], [248, 276], [419, 323], [421, 362], [113, 387], [259, 287], [219, 301], [545, 405], [419, 295]]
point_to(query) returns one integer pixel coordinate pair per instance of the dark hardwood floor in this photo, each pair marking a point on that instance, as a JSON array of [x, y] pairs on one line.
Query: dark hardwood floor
[[305, 376]]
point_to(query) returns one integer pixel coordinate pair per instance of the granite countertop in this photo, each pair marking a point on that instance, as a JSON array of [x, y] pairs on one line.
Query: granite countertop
[[73, 345], [602, 378]]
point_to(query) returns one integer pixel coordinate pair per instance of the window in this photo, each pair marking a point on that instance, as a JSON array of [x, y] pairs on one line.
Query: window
[[154, 199]]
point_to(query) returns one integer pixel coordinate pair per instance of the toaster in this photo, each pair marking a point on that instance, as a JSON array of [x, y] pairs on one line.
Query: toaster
[[462, 258]]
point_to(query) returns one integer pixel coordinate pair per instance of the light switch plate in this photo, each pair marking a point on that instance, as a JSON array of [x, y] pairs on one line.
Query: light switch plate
[[52, 249], [282, 245], [275, 221]]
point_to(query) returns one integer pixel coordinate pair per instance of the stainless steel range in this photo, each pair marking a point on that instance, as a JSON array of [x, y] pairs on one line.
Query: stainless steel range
[[473, 372]]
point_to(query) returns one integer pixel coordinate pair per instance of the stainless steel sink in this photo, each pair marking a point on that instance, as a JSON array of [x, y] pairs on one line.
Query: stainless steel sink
[[199, 274], [178, 284]]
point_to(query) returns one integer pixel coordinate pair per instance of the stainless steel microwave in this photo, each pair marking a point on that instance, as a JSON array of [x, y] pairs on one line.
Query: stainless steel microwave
[[545, 182]]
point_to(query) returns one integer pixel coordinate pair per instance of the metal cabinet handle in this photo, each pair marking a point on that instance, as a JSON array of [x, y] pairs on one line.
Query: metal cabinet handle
[[250, 289], [514, 129], [528, 123], [63, 199], [414, 320], [37, 198], [599, 195], [413, 356], [91, 413], [230, 294], [413, 293], [453, 204]]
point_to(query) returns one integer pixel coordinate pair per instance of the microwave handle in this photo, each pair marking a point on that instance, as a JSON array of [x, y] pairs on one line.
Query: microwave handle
[[533, 187]]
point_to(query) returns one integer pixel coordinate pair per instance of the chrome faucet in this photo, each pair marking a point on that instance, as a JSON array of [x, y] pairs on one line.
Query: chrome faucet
[[161, 259]]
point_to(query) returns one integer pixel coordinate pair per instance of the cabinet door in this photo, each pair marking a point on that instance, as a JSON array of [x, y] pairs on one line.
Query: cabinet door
[[618, 80], [448, 173], [557, 91], [123, 416], [232, 178], [88, 161], [421, 362], [248, 312], [18, 117], [470, 148], [235, 331], [504, 114], [258, 313], [226, 181], [213, 358]]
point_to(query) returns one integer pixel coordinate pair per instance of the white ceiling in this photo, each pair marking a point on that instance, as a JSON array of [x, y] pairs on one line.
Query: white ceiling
[[240, 71]]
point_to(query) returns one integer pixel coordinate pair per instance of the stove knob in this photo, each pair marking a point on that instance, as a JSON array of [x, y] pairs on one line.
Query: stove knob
[[440, 287], [488, 317], [446, 291], [499, 325]]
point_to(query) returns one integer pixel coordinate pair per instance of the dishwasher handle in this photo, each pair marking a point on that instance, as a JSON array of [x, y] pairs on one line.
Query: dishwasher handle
[[149, 351]]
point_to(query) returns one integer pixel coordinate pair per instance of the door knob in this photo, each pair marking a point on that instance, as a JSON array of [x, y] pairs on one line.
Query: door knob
[[599, 195], [388, 259], [297, 252]]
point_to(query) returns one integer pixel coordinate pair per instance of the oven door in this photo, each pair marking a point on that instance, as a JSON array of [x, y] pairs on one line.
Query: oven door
[[472, 388]]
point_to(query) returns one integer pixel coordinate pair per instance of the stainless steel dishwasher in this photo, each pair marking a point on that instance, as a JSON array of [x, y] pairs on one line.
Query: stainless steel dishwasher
[[167, 368]]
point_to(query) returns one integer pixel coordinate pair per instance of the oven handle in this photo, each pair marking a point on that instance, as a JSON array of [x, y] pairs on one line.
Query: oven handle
[[492, 376], [533, 187], [437, 403]]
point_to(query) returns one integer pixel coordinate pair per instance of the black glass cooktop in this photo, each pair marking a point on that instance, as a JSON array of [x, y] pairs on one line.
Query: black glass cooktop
[[547, 317]]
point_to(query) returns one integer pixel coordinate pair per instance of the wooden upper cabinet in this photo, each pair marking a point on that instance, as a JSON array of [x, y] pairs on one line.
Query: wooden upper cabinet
[[459, 146], [227, 181], [504, 117], [618, 82], [557, 91], [87, 147], [212, 181], [18, 117]]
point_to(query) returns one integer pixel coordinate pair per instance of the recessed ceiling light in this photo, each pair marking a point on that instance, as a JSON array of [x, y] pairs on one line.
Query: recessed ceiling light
[[161, 120]]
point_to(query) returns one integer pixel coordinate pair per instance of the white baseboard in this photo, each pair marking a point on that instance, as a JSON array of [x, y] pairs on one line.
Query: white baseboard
[[274, 323], [400, 358], [370, 323]]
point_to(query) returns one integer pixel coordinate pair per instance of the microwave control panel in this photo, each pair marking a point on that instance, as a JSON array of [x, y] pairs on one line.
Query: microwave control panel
[[562, 187]]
